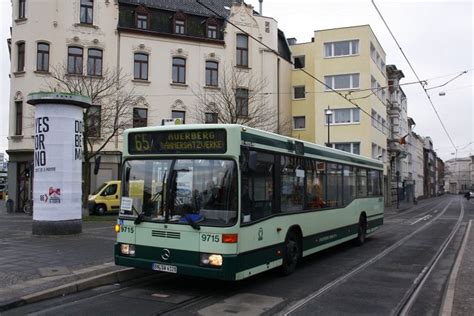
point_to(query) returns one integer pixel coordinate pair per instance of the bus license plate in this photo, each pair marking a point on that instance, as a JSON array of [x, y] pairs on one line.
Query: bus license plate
[[164, 268]]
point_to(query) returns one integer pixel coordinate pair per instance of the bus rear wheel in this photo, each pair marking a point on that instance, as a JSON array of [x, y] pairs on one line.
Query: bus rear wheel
[[291, 253], [361, 231]]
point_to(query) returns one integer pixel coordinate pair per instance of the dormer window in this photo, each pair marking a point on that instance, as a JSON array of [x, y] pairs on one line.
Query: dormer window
[[179, 26], [142, 18], [179, 23], [142, 21], [211, 28]]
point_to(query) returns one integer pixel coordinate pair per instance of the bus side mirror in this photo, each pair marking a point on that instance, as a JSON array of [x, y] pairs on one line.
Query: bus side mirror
[[252, 163], [97, 164]]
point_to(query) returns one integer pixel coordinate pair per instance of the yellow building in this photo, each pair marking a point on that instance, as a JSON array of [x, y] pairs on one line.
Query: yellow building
[[351, 61]]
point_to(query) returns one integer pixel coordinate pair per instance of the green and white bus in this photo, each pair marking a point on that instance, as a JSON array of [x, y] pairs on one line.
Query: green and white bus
[[228, 201]]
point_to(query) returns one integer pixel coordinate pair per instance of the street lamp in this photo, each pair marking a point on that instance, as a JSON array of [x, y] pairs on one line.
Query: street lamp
[[328, 116]]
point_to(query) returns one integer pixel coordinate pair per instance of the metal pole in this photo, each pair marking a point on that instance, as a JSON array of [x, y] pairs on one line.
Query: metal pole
[[329, 129], [328, 115]]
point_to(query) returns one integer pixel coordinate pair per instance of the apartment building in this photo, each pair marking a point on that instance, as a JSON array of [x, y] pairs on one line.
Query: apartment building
[[399, 130], [458, 175], [351, 61], [172, 51], [429, 168]]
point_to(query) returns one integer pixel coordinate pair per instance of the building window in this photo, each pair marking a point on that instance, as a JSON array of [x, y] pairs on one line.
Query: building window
[[93, 121], [179, 115], [344, 48], [212, 70], [179, 70], [242, 102], [347, 147], [18, 117], [211, 118], [42, 57], [299, 92], [179, 26], [349, 81], [242, 50], [140, 69], [212, 31], [21, 57], [21, 9], [74, 60], [140, 117], [94, 62], [299, 62], [299, 122], [345, 116], [142, 21], [87, 11]]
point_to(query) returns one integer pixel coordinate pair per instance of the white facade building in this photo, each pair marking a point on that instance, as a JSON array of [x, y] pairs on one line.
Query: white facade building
[[172, 51], [458, 175]]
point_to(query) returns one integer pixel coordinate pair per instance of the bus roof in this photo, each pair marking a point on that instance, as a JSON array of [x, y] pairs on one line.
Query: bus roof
[[273, 141]]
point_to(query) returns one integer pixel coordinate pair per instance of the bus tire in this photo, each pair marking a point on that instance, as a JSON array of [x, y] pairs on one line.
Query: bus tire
[[100, 209], [291, 252], [361, 231]]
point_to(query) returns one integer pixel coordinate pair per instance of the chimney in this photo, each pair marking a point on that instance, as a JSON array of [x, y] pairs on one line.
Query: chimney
[[261, 1], [291, 41]]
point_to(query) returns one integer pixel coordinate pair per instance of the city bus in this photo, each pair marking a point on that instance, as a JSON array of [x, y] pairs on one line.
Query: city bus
[[227, 201]]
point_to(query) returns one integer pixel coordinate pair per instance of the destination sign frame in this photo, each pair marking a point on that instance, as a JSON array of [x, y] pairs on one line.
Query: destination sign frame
[[210, 141]]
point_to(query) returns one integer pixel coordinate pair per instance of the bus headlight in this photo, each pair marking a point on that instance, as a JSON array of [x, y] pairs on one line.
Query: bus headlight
[[208, 259], [127, 249]]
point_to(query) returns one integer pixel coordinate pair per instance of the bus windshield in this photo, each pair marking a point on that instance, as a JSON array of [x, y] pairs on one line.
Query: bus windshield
[[186, 191]]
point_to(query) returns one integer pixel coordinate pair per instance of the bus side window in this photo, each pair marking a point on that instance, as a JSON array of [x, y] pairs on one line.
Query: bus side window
[[314, 185], [257, 189], [361, 182]]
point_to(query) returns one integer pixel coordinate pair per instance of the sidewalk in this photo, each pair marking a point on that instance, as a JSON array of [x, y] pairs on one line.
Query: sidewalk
[[38, 267]]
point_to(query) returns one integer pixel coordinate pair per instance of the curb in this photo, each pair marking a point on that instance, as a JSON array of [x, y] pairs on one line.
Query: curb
[[77, 286], [448, 299]]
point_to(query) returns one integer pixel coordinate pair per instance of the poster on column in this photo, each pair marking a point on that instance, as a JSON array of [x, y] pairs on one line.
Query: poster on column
[[57, 187]]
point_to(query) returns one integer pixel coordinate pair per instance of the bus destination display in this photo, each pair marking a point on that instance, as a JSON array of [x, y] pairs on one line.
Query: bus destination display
[[177, 142]]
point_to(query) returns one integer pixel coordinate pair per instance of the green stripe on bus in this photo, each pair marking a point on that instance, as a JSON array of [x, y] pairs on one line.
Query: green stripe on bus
[[308, 150]]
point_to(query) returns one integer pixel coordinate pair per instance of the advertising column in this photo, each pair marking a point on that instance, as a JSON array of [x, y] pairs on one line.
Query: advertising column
[[57, 184]]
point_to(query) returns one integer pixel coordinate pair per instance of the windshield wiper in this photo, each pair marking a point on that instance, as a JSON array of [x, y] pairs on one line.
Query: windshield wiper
[[140, 216]]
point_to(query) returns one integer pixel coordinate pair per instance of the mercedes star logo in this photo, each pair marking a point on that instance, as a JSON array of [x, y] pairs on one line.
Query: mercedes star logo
[[165, 254]]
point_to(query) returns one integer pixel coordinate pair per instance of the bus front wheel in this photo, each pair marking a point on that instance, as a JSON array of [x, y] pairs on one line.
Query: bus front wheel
[[291, 252]]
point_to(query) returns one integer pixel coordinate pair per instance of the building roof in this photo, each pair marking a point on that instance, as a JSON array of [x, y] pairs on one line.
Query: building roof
[[187, 6]]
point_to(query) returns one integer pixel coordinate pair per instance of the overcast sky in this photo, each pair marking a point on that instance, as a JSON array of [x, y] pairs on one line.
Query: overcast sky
[[436, 36]]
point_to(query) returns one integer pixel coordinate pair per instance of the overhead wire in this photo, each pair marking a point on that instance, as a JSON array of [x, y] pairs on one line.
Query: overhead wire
[[416, 75]]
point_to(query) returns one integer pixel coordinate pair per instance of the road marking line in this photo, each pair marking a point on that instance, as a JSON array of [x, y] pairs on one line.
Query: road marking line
[[426, 217]]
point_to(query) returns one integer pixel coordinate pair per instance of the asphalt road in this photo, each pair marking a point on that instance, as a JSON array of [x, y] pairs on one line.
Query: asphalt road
[[379, 278]]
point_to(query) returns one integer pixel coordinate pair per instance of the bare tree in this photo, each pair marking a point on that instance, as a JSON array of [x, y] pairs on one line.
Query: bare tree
[[239, 99], [109, 116]]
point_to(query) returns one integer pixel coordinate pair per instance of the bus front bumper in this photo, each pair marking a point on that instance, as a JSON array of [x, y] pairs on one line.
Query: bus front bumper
[[181, 260]]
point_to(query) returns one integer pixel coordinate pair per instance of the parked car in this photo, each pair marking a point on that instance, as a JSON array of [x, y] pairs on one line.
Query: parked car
[[106, 198]]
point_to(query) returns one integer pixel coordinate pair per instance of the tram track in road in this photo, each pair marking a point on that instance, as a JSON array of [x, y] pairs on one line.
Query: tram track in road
[[418, 217], [293, 309], [404, 306]]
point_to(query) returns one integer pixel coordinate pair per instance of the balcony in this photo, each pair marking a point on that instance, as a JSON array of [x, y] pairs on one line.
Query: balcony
[[394, 109], [394, 146]]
